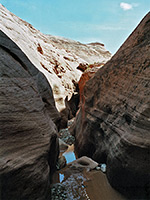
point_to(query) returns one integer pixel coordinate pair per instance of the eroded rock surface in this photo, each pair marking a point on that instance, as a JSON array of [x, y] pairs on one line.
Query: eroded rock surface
[[57, 57], [28, 134], [84, 162], [87, 75], [113, 124]]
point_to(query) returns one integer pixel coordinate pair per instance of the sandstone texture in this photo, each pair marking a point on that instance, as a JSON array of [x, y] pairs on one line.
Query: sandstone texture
[[28, 134], [113, 123], [84, 162], [57, 57], [87, 75]]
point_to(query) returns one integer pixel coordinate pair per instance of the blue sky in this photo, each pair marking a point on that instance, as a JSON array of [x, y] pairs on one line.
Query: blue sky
[[106, 21]]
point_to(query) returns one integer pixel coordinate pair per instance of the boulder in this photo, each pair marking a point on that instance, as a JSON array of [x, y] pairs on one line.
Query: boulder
[[62, 145], [69, 112], [113, 123], [82, 67], [61, 162], [84, 162], [28, 134]]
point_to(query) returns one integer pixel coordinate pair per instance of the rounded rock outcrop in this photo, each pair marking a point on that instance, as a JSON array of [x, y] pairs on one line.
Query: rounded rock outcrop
[[113, 123], [28, 133]]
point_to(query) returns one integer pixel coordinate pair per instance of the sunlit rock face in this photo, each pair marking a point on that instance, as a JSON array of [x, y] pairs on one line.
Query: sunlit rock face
[[58, 58], [28, 134], [113, 124], [87, 74]]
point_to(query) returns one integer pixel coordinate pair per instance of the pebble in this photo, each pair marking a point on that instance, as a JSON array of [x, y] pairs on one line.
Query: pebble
[[98, 168]]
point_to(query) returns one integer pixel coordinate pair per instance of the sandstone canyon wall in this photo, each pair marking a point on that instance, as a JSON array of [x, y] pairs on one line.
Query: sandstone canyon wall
[[28, 134], [113, 123], [58, 58]]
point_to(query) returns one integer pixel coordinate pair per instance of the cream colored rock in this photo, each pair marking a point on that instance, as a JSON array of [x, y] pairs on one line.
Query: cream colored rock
[[57, 57]]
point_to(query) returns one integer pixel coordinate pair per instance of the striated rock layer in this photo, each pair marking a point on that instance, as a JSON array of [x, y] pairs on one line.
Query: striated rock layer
[[113, 124], [28, 134], [57, 57], [87, 74]]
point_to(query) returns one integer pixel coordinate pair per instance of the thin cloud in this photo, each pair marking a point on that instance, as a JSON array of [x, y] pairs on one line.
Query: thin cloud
[[126, 6], [107, 28], [135, 4], [93, 27]]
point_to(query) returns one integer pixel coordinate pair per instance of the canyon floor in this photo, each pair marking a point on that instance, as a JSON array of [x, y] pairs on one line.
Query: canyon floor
[[77, 183]]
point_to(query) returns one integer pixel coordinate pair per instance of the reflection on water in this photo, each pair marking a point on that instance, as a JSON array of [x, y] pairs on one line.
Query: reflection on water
[[69, 154], [69, 183], [61, 177], [77, 184], [75, 187]]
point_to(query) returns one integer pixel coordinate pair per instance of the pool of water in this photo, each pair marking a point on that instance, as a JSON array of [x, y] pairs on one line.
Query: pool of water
[[61, 177], [78, 184], [69, 154]]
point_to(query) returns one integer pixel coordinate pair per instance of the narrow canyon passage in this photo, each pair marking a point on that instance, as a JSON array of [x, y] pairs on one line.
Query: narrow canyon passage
[[45, 81]]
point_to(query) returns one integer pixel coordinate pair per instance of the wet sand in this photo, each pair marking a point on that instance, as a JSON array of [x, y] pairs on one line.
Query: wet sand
[[98, 188], [84, 185]]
